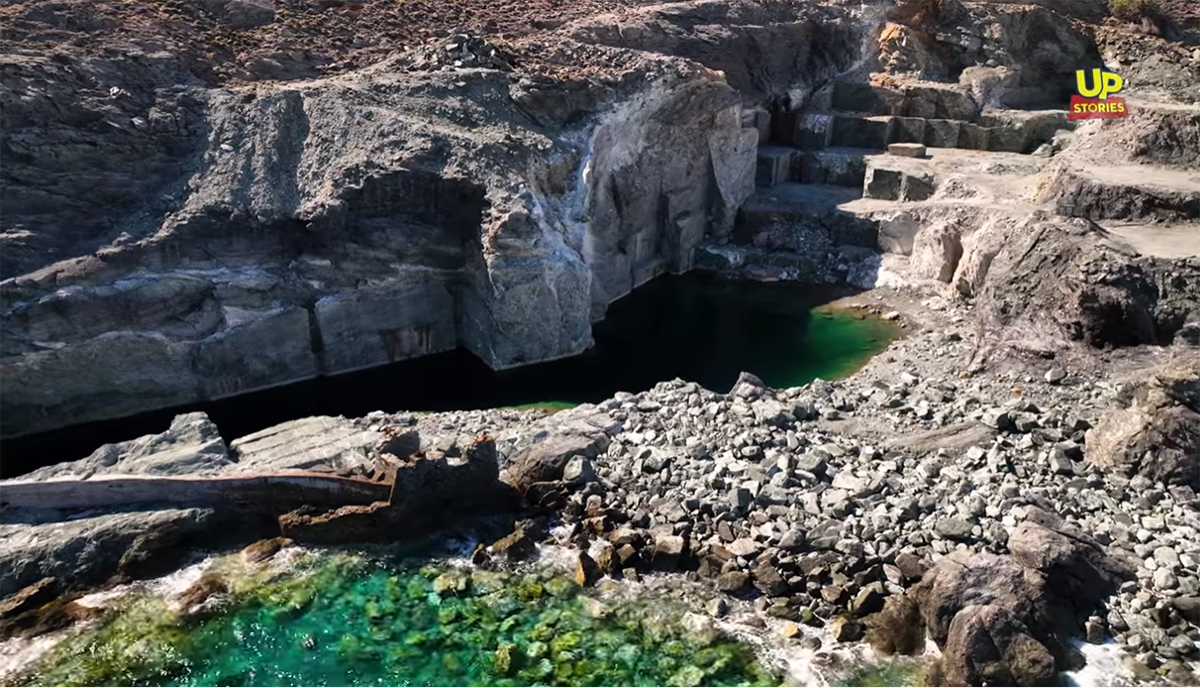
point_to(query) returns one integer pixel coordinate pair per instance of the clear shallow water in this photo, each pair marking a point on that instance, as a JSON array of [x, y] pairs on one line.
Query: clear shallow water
[[346, 620], [694, 326]]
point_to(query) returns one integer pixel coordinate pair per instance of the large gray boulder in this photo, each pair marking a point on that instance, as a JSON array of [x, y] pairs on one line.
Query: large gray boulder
[[542, 453], [1157, 434], [1078, 571], [87, 551], [191, 446], [964, 579]]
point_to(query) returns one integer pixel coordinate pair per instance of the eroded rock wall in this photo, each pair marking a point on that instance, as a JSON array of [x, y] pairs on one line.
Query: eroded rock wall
[[276, 232]]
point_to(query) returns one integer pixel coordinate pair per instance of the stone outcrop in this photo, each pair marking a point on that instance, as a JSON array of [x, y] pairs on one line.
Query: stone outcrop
[[1046, 284], [1157, 435], [542, 453], [192, 445], [999, 619], [1038, 42], [319, 443], [87, 551]]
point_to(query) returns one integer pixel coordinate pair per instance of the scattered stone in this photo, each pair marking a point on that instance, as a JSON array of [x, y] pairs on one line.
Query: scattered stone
[[733, 582], [1055, 375], [953, 529], [516, 546], [587, 571], [846, 629], [668, 552], [579, 470]]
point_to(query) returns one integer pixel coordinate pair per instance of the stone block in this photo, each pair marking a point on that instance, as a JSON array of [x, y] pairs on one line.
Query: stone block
[[907, 130], [942, 133], [920, 103], [972, 137], [883, 184], [1006, 138], [916, 187], [866, 99], [813, 131], [906, 150], [860, 132], [773, 165], [839, 167]]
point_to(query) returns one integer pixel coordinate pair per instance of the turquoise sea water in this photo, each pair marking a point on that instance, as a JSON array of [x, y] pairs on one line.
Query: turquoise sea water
[[347, 620]]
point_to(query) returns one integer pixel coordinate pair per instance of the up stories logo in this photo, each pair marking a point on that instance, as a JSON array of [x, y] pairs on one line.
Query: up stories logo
[[1095, 99]]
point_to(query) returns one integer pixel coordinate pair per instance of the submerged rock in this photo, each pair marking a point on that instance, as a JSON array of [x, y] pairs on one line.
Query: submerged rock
[[201, 591], [258, 552]]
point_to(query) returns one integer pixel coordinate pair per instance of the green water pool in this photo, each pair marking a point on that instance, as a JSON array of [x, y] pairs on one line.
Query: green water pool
[[343, 619]]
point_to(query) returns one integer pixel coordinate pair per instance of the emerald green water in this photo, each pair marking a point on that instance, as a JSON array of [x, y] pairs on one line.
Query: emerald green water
[[347, 620]]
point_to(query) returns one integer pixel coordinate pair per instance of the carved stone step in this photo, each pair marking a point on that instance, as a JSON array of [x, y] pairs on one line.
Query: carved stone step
[[774, 165]]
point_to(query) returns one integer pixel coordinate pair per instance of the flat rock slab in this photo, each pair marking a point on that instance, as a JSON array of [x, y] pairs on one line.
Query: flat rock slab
[[907, 150], [316, 443], [87, 550]]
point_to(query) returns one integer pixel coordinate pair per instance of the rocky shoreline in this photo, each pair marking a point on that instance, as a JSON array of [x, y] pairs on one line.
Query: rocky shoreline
[[994, 511], [235, 195]]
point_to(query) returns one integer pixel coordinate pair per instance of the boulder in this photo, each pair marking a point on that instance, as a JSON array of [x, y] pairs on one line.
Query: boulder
[[668, 552], [897, 629], [192, 445], [579, 432], [1157, 434], [989, 645], [999, 619], [964, 579], [1078, 572], [579, 471], [748, 386], [587, 571], [516, 546], [846, 629]]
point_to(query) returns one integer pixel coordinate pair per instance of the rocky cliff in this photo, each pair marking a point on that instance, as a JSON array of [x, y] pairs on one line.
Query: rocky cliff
[[192, 214], [169, 240]]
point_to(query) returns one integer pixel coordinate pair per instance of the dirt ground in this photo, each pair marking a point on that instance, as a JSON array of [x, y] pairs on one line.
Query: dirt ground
[[231, 39]]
